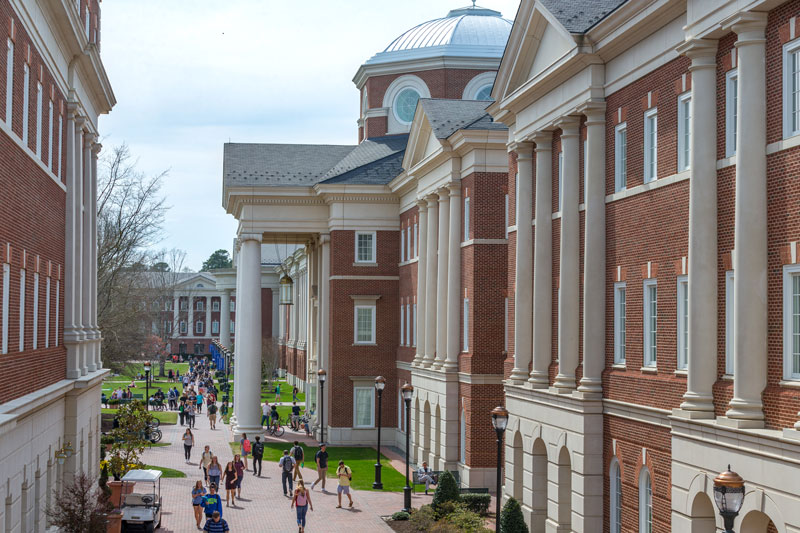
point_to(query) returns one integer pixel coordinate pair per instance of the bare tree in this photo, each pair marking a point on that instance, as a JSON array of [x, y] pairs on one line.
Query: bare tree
[[80, 508], [270, 359]]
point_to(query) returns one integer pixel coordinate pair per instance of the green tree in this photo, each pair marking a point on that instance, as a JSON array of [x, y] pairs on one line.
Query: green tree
[[219, 259], [511, 518], [129, 439], [160, 266], [446, 491]]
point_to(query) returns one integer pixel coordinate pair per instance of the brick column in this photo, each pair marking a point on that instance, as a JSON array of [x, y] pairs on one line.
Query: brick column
[[422, 244], [430, 279], [441, 281], [543, 262]]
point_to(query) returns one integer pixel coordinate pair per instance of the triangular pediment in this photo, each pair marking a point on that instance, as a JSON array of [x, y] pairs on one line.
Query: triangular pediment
[[422, 141]]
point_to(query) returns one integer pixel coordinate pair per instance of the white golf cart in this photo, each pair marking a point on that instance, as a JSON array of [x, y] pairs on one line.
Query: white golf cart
[[141, 510]]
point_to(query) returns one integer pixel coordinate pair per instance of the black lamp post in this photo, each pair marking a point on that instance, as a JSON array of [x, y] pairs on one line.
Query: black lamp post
[[408, 391], [322, 376], [729, 496], [147, 385], [380, 383], [499, 422]]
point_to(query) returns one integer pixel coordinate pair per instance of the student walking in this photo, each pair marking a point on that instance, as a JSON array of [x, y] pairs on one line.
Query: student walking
[[215, 524], [197, 501], [212, 503], [182, 413], [190, 411], [302, 501], [199, 402], [345, 475], [286, 465], [278, 392], [321, 459], [188, 442], [294, 394], [240, 468], [298, 454], [212, 415], [244, 446], [214, 471], [265, 410], [205, 460], [230, 483], [258, 454]]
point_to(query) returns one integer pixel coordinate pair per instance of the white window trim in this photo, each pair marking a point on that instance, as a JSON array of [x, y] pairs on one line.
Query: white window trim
[[9, 81], [58, 297], [408, 325], [355, 324], [6, 283], [729, 315], [505, 324], [35, 343], [50, 135], [414, 323], [402, 325], [215, 306], [409, 249], [39, 104], [47, 313], [731, 80], [26, 88], [374, 235], [560, 177], [462, 445], [467, 203], [233, 307], [788, 49], [619, 348], [22, 310], [684, 136], [505, 226], [465, 347], [585, 167], [789, 271], [615, 503], [648, 361], [198, 327], [650, 152], [645, 501], [372, 407], [416, 250], [402, 244], [215, 327], [620, 157], [232, 327], [682, 322], [60, 145]]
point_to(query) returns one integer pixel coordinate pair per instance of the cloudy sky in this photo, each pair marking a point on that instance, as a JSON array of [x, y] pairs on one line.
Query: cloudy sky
[[190, 75]]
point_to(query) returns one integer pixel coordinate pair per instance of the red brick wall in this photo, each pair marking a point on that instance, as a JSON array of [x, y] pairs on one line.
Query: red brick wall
[[442, 83], [478, 401]]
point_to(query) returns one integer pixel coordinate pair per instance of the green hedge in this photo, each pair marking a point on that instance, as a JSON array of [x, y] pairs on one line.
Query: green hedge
[[477, 503]]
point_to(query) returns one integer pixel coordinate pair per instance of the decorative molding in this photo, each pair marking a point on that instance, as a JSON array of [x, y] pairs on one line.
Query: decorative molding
[[368, 278]]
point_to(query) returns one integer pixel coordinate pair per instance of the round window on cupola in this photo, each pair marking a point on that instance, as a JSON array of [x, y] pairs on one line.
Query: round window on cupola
[[484, 93], [405, 105]]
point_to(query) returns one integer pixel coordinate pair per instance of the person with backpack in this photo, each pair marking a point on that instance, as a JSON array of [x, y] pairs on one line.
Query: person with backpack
[[212, 415], [345, 475], [244, 445], [205, 460], [298, 455], [239, 466], [286, 465], [321, 459], [301, 499], [258, 454]]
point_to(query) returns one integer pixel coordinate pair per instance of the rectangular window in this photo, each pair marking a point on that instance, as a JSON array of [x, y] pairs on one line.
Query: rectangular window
[[402, 245], [620, 157], [198, 327], [466, 218], [684, 130], [650, 322], [683, 322], [233, 327], [50, 135], [402, 325], [183, 327], [26, 89], [505, 223], [365, 324], [21, 310], [560, 177], [6, 281], [414, 322], [38, 119], [791, 88], [408, 325], [466, 325], [505, 324], [9, 80], [462, 453], [60, 131], [409, 249], [731, 101], [47, 313], [651, 145], [184, 305], [215, 305], [233, 306], [791, 322], [58, 297], [200, 305], [363, 407], [35, 310], [416, 231], [620, 317], [168, 326], [729, 314], [215, 327], [365, 246]]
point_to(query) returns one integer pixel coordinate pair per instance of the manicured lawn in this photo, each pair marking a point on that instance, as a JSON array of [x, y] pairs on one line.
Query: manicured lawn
[[167, 472], [286, 392], [165, 417], [132, 369], [360, 460]]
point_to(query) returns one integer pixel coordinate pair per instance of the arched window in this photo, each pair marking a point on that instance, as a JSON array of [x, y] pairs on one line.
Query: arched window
[[645, 502], [405, 105], [484, 93], [615, 494]]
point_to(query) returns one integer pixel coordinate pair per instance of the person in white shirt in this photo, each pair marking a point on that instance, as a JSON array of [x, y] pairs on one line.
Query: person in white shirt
[[265, 413], [425, 475]]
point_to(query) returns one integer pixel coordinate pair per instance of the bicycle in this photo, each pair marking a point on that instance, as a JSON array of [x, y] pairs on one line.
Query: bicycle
[[276, 429]]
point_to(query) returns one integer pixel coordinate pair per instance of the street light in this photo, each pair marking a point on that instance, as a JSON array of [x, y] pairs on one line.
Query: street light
[[499, 422], [729, 496], [147, 385], [408, 391], [60, 456], [380, 383], [322, 375]]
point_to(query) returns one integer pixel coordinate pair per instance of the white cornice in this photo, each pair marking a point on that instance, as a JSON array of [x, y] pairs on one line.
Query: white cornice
[[415, 65]]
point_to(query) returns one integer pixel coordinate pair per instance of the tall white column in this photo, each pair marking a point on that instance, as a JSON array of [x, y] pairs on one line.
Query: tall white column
[[86, 258], [249, 342], [750, 234], [207, 329], [190, 329], [454, 277], [176, 321], [72, 334], [594, 262], [237, 329], [225, 318], [543, 262], [441, 279], [702, 305], [431, 272], [77, 276], [97, 334], [422, 208], [523, 290]]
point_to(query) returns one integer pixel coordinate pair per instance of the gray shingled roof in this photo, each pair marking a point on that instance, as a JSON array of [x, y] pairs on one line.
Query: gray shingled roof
[[448, 116], [367, 152], [379, 172], [578, 16], [264, 165]]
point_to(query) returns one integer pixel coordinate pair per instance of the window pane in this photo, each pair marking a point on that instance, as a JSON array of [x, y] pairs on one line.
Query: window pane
[[624, 158], [365, 247], [795, 324], [364, 320], [363, 401], [653, 322], [622, 325]]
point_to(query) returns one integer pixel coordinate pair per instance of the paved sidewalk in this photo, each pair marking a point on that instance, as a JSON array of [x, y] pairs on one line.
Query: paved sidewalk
[[263, 507]]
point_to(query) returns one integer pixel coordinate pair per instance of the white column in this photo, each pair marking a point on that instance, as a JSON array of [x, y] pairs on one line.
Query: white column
[[176, 324], [236, 331], [225, 318], [207, 329], [248, 363], [750, 234], [594, 262], [431, 271], [97, 335], [77, 276], [523, 290], [72, 252], [422, 244], [454, 277], [702, 305], [441, 279], [543, 262], [190, 328], [86, 258]]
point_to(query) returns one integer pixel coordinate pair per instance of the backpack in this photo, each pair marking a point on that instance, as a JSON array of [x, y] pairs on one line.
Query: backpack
[[297, 452], [246, 445], [288, 464], [258, 449]]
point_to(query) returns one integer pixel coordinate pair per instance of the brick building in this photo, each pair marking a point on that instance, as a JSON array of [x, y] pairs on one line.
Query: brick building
[[52, 87]]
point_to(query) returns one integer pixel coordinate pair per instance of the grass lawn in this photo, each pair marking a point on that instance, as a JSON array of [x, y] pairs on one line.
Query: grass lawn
[[165, 417], [167, 472], [286, 393], [132, 369], [360, 460]]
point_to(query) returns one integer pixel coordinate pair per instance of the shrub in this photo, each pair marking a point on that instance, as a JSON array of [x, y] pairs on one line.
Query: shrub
[[511, 519], [423, 518], [446, 490], [106, 439], [113, 401], [400, 515], [477, 503], [445, 527], [465, 520], [445, 509]]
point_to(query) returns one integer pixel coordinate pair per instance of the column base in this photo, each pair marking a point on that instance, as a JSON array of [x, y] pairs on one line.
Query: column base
[[740, 423], [591, 386], [691, 414], [564, 384], [251, 431], [539, 380], [437, 365], [450, 366], [518, 376], [587, 395], [791, 433], [744, 414]]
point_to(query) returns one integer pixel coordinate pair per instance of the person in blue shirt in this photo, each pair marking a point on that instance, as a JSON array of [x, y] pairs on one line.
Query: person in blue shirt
[[215, 524], [212, 502]]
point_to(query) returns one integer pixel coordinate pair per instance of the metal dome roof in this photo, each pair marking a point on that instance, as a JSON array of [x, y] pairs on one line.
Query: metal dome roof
[[465, 32]]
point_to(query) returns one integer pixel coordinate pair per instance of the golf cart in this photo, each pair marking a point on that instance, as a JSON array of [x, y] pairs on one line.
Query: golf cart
[[141, 511]]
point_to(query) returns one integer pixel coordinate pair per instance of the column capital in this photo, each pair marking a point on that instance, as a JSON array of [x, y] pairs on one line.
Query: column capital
[[749, 26], [569, 126], [432, 199], [325, 238], [455, 188], [243, 237], [543, 140], [522, 148], [422, 205], [80, 122], [595, 113], [702, 52], [88, 139], [96, 147], [443, 193]]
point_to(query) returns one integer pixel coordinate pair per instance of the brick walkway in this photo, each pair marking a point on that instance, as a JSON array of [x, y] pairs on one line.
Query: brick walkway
[[263, 507]]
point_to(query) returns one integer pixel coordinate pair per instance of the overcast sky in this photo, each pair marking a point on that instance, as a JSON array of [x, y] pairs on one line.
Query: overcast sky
[[190, 75]]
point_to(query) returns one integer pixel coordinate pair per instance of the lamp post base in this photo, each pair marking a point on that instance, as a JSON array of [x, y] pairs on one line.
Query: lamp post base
[[377, 485], [407, 499]]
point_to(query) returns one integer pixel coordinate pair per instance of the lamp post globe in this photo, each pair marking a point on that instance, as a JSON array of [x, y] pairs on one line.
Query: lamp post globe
[[322, 376], [408, 392], [380, 384], [729, 496], [499, 422]]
